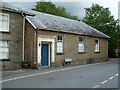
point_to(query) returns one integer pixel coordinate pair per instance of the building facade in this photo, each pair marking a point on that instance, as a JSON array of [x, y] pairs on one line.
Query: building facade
[[12, 26], [54, 39], [47, 40]]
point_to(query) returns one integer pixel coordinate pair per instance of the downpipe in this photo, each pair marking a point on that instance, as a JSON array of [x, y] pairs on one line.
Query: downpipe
[[23, 36]]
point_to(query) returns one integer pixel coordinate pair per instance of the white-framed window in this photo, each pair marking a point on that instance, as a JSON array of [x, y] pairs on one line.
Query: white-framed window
[[97, 46], [4, 22], [4, 50], [60, 44], [81, 46]]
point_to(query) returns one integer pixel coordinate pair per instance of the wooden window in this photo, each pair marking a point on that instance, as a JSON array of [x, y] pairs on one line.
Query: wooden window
[[4, 50], [81, 45], [97, 49], [4, 22], [60, 44]]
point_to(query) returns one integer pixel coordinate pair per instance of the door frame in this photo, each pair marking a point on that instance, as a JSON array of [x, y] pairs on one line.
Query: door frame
[[49, 40]]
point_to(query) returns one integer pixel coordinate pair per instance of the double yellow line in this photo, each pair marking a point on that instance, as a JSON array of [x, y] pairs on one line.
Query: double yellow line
[[47, 72]]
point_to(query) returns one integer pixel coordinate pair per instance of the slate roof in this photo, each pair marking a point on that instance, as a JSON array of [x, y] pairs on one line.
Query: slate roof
[[57, 23], [9, 7]]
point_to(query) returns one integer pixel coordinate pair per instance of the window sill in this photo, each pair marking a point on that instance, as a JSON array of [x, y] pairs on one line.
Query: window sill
[[81, 52], [59, 53], [4, 59], [97, 51], [5, 32]]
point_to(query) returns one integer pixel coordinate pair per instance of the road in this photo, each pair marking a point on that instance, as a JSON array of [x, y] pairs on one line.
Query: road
[[99, 75]]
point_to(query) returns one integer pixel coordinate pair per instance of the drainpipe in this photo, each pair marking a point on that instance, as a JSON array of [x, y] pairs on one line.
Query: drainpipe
[[23, 35], [35, 48]]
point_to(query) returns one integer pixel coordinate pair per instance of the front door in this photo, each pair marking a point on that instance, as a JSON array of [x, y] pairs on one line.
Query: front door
[[45, 55]]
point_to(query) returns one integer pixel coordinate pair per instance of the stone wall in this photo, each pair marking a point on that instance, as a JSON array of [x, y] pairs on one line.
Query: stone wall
[[15, 38]]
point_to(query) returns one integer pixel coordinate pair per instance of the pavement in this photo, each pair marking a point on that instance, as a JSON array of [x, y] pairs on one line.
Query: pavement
[[100, 75], [11, 72]]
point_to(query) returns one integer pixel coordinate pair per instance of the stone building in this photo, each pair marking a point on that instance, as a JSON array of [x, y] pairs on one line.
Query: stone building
[[47, 40], [12, 26], [52, 40]]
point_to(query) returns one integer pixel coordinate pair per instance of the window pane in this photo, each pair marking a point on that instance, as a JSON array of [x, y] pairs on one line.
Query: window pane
[[5, 17], [4, 55], [0, 55], [60, 44], [5, 25], [4, 22], [81, 47], [0, 25], [4, 50], [59, 47], [96, 41], [60, 37], [96, 45], [3, 43], [81, 40], [0, 16]]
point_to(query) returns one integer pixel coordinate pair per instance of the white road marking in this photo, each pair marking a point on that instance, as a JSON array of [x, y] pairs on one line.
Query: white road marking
[[96, 86], [117, 74], [111, 78], [104, 82]]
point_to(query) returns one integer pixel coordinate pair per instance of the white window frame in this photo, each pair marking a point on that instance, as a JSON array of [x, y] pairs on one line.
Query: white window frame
[[7, 47], [7, 30], [81, 44], [97, 45], [59, 45]]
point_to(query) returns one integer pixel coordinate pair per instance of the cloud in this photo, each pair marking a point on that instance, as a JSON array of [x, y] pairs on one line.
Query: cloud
[[112, 4]]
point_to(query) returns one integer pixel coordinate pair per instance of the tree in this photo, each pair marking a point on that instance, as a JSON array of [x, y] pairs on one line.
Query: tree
[[50, 8], [100, 18]]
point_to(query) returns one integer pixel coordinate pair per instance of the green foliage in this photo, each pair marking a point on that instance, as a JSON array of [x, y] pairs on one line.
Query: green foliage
[[100, 18], [50, 8]]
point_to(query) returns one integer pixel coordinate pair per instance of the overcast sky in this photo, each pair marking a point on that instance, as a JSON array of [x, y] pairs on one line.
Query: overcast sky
[[76, 7]]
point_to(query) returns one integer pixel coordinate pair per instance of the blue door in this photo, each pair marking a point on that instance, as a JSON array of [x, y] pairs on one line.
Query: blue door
[[45, 55]]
